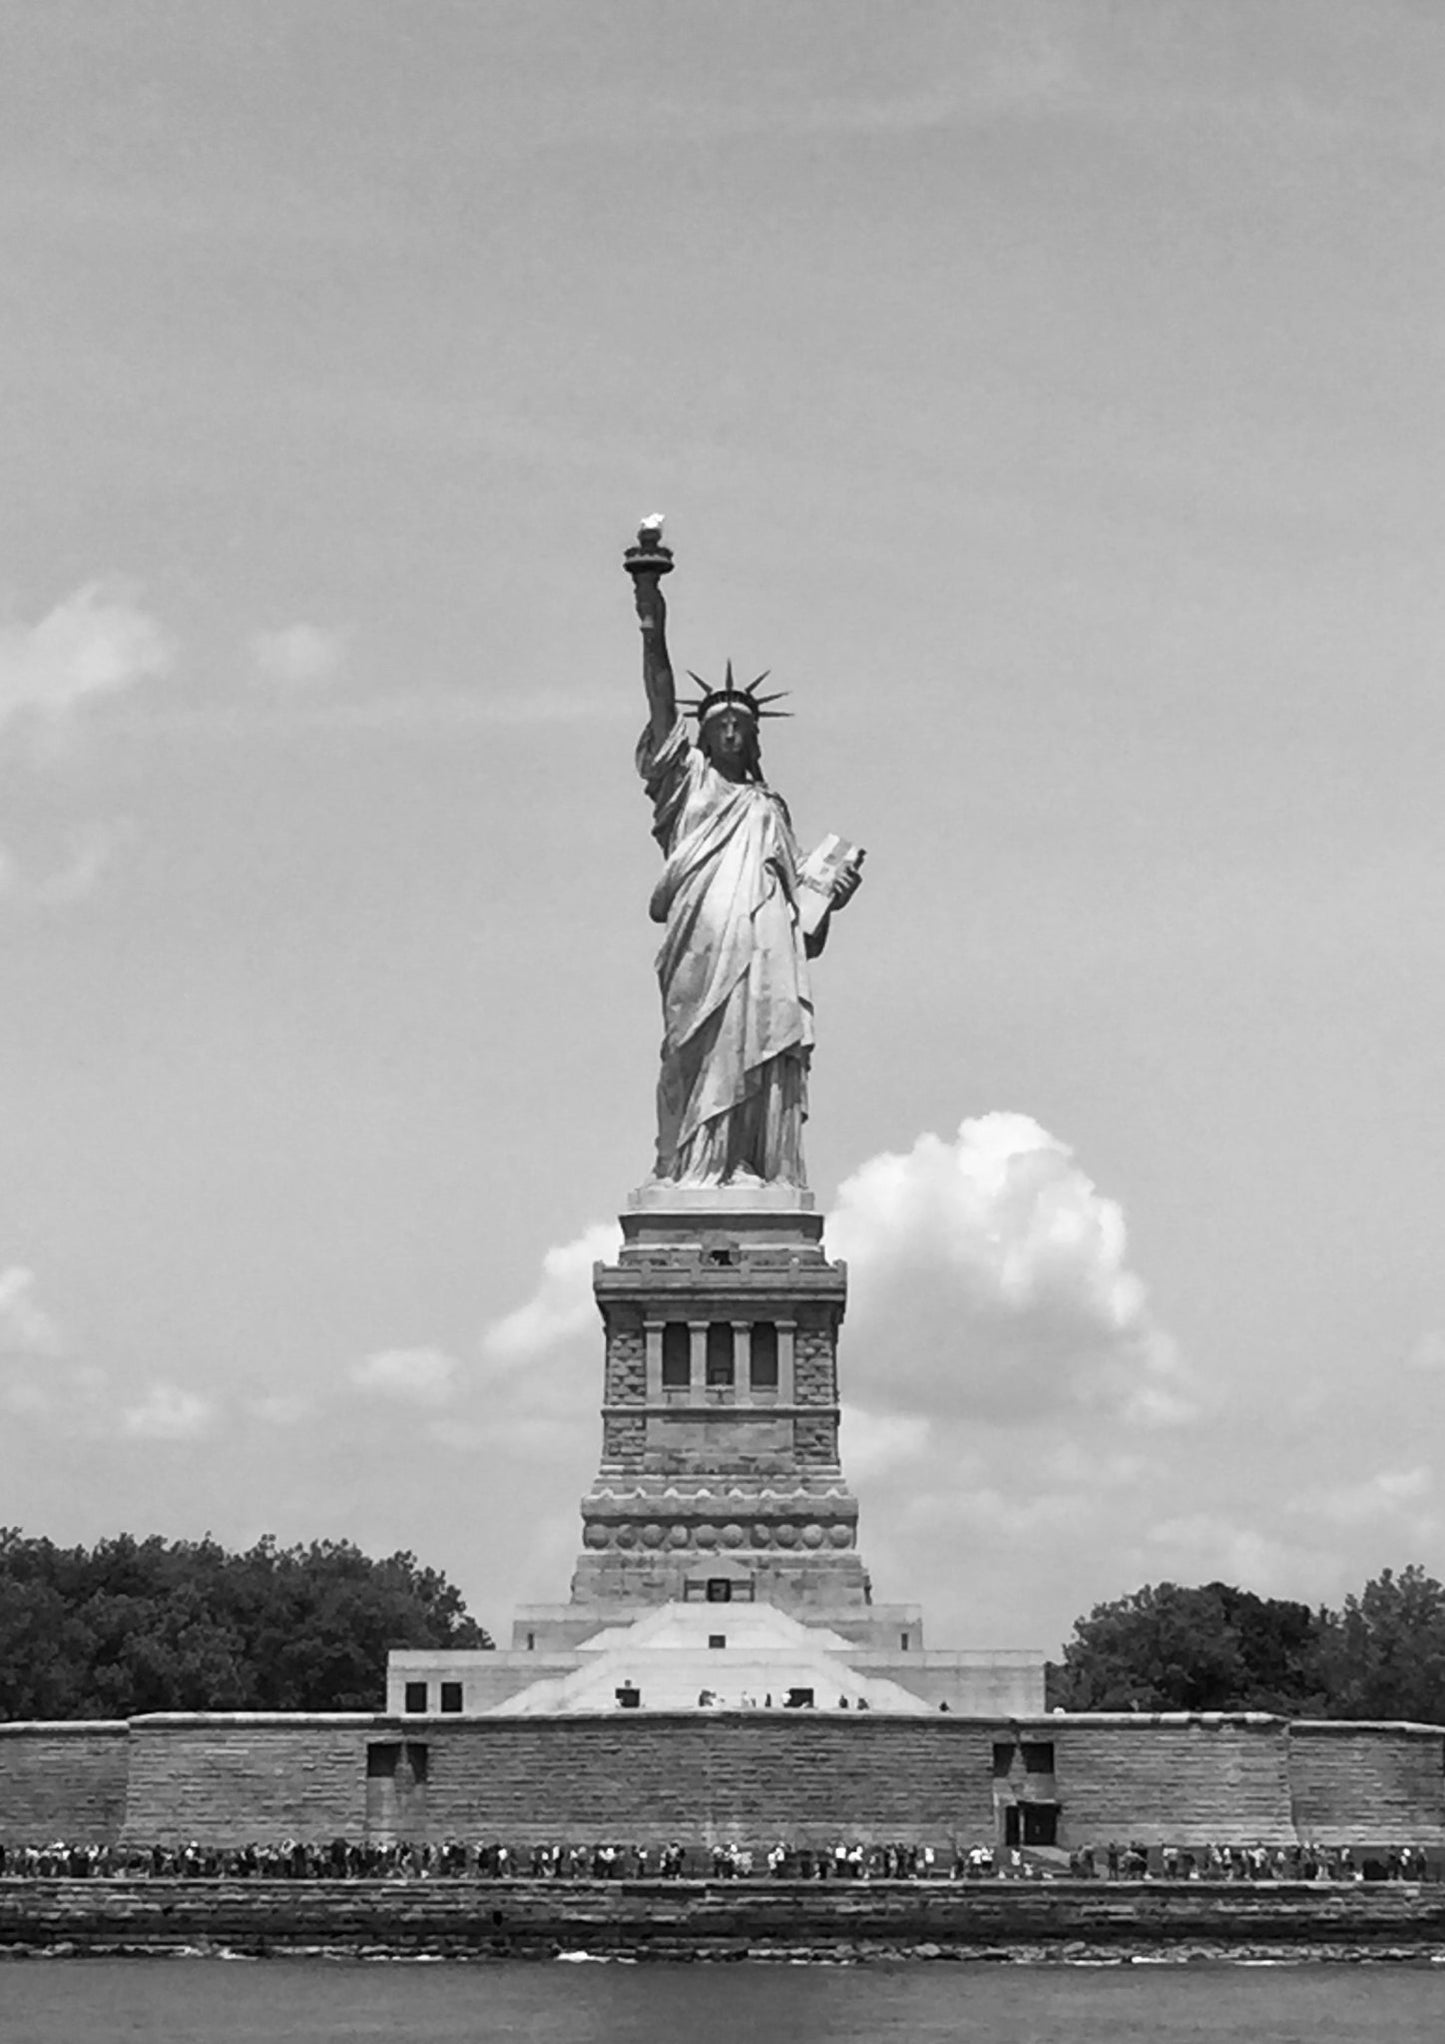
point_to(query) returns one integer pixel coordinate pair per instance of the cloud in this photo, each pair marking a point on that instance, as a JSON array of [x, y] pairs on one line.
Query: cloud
[[1390, 1494], [1211, 1546], [1012, 1397], [99, 642], [411, 1376], [538, 1377], [993, 1282], [993, 1513], [875, 1444], [298, 656], [168, 1413], [561, 1307], [26, 1329]]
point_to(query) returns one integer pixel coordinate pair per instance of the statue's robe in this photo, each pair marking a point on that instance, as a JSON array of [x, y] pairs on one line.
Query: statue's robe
[[736, 1004]]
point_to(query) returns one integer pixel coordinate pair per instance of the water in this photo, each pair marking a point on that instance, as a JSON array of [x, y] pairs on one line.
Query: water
[[314, 2001]]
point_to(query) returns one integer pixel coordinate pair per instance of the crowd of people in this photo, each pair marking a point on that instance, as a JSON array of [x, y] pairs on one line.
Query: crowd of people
[[1250, 1863], [291, 1859]]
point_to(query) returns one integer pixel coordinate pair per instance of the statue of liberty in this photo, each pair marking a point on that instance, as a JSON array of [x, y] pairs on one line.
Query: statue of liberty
[[743, 917]]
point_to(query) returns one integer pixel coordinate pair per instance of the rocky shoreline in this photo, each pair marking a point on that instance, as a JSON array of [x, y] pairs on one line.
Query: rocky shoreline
[[997, 1922], [667, 1952]]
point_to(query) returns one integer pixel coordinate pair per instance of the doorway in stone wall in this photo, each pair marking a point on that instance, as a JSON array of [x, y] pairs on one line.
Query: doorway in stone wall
[[1031, 1824], [396, 1772]]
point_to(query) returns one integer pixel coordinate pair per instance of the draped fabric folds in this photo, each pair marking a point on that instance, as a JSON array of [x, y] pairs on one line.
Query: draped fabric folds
[[736, 1003]]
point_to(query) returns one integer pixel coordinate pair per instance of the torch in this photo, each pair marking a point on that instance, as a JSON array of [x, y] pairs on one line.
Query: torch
[[649, 558]]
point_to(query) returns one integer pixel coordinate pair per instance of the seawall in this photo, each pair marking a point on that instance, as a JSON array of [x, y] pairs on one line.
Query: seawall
[[718, 1919], [64, 1780], [744, 1778]]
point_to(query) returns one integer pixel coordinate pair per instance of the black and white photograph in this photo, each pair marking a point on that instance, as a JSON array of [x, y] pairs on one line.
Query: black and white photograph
[[722, 1020]]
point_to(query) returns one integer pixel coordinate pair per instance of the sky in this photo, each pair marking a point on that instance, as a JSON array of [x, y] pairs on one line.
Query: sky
[[1049, 394]]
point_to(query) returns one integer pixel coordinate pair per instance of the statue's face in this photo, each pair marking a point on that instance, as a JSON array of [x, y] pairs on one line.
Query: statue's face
[[728, 740]]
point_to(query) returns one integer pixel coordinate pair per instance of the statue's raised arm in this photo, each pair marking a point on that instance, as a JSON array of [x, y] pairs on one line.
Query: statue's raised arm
[[647, 563]]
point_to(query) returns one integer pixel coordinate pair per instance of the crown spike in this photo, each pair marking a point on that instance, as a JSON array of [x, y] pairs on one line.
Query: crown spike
[[728, 695]]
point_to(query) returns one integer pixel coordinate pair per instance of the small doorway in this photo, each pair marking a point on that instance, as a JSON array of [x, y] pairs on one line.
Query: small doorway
[[1031, 1824], [396, 1790]]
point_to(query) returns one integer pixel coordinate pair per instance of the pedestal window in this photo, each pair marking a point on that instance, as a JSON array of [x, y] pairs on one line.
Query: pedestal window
[[676, 1356], [763, 1364], [719, 1355]]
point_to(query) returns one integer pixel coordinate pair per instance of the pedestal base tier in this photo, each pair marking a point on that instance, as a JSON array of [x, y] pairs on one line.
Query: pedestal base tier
[[653, 1540], [802, 1581], [719, 1473]]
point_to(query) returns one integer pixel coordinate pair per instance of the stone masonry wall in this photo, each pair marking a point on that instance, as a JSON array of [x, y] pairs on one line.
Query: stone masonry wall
[[728, 1918], [1380, 1782], [814, 1369], [815, 1442], [63, 1781], [626, 1381], [227, 1780], [624, 1437], [746, 1777], [1181, 1784]]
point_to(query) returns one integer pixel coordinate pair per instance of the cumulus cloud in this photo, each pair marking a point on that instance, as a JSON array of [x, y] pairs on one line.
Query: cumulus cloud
[[561, 1307], [26, 1329], [1013, 1398], [994, 1282], [297, 656], [168, 1412], [538, 1376], [410, 1376], [97, 643]]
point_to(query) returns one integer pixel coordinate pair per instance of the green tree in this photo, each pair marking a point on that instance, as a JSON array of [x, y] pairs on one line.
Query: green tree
[[130, 1625], [1214, 1647], [1383, 1656]]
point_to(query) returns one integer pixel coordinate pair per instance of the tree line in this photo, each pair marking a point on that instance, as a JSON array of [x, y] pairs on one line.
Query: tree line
[[129, 1626], [1215, 1647]]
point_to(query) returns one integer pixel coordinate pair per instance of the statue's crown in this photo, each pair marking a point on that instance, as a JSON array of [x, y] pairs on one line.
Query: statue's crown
[[730, 697]]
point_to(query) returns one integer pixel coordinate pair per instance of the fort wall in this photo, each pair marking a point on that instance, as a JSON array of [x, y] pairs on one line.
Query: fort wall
[[745, 1778], [1347, 1781], [64, 1780], [230, 1779], [1187, 1781]]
